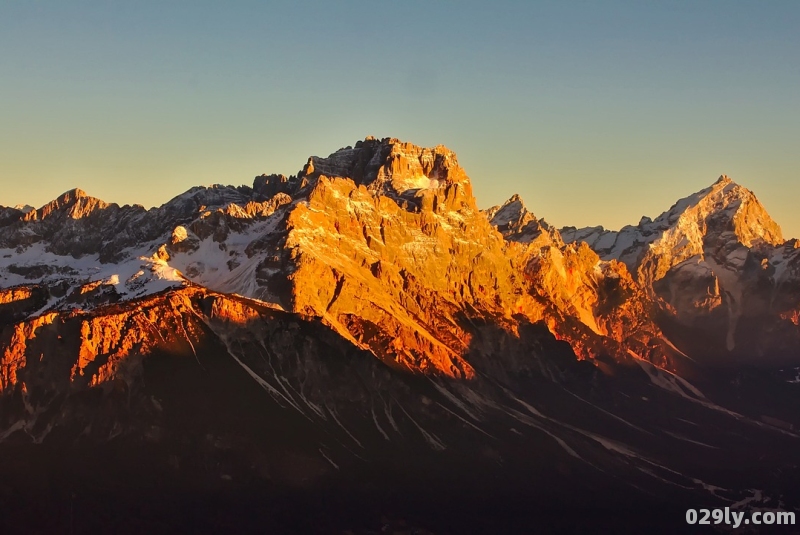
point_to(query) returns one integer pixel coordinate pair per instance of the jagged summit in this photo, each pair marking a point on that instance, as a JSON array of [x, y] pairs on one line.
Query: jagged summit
[[726, 206], [513, 209], [516, 223], [71, 194], [724, 214], [392, 167], [714, 257], [76, 192], [387, 166], [73, 204], [409, 174]]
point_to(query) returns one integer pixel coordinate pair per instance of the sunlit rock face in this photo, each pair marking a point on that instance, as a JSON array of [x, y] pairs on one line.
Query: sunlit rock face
[[592, 303], [363, 325], [394, 168], [391, 250], [719, 264]]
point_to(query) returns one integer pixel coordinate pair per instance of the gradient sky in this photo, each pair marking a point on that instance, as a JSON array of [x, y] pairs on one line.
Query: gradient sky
[[595, 112]]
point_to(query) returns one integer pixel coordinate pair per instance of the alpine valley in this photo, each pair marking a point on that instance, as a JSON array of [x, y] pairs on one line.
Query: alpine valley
[[360, 349]]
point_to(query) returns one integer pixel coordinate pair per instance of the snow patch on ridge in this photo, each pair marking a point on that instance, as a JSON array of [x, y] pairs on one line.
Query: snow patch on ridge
[[414, 182], [139, 274]]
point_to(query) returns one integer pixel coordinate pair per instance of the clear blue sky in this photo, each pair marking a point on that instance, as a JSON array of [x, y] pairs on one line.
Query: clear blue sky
[[595, 112]]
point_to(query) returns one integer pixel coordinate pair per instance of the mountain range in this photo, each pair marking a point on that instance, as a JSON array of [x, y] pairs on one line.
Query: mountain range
[[360, 347]]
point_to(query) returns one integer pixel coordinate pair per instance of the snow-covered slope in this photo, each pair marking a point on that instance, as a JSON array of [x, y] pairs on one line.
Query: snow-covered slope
[[81, 252]]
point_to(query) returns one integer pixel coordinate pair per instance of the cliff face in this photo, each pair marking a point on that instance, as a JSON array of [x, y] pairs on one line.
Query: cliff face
[[592, 303], [399, 258], [719, 263]]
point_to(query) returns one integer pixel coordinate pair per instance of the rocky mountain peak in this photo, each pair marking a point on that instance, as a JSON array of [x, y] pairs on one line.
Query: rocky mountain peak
[[703, 257], [396, 169], [719, 218], [513, 209], [74, 193], [267, 186], [73, 204], [516, 223], [724, 208], [9, 215], [24, 208]]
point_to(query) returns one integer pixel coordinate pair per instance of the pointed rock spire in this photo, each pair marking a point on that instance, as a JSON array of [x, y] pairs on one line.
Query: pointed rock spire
[[74, 203]]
